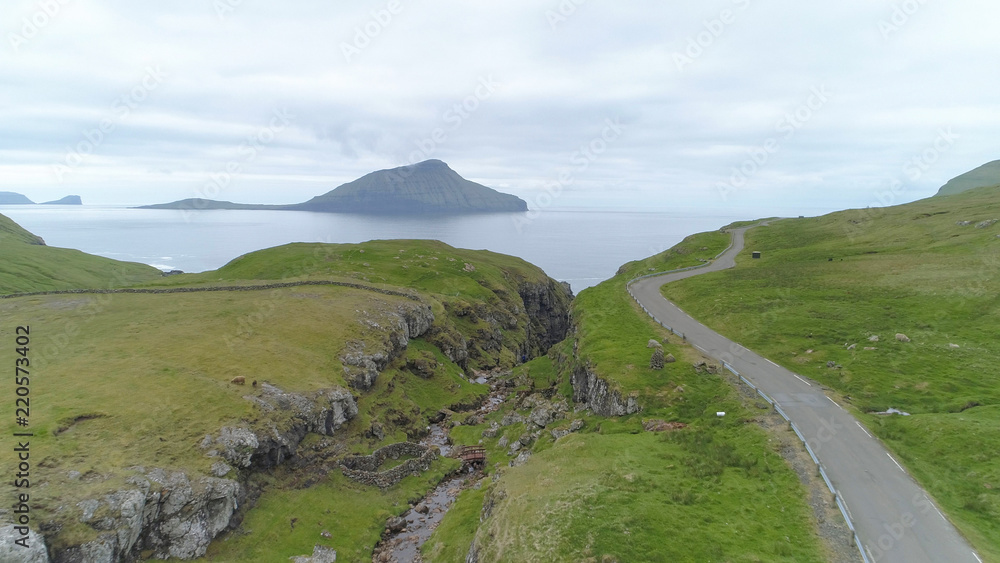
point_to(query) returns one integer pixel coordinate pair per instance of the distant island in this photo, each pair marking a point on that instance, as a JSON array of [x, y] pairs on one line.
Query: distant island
[[11, 198], [987, 175], [429, 187]]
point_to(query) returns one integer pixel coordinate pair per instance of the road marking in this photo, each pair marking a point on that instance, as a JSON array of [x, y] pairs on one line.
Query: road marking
[[835, 403], [803, 380], [862, 429], [896, 462], [772, 363], [977, 557]]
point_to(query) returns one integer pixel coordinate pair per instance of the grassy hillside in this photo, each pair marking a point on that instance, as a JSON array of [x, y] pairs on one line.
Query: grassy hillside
[[126, 380], [826, 286], [715, 491], [26, 264], [985, 176]]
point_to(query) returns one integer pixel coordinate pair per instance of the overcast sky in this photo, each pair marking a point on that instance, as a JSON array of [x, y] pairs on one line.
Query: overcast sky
[[728, 105]]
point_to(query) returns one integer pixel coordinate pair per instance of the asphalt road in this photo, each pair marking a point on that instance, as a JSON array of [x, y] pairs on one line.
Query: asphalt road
[[893, 517]]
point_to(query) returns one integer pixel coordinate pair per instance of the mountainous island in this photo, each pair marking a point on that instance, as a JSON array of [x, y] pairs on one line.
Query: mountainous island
[[12, 198], [429, 187]]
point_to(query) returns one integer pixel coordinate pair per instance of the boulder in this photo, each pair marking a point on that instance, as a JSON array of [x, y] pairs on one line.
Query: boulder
[[852, 347], [653, 344], [521, 459], [320, 554], [10, 551], [396, 525], [986, 224], [954, 346], [902, 337], [873, 338], [511, 418], [669, 359]]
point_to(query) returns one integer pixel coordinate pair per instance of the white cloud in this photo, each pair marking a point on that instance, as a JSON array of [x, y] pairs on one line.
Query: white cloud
[[685, 129]]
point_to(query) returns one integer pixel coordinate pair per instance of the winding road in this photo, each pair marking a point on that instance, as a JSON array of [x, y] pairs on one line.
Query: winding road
[[893, 518]]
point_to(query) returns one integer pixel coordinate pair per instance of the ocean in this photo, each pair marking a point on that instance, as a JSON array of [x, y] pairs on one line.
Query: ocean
[[581, 247]]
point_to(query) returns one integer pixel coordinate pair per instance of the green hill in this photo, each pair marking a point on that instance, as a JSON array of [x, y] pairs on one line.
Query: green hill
[[26, 264], [986, 175], [828, 297]]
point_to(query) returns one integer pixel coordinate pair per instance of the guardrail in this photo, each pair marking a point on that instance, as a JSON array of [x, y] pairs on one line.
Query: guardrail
[[770, 401], [822, 470]]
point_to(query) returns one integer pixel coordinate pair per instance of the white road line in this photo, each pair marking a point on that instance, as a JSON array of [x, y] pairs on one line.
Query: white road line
[[772, 363], [803, 380], [862, 429], [896, 462], [977, 557]]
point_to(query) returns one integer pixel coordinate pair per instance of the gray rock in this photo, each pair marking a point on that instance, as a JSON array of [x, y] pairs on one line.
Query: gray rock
[[653, 344], [873, 338], [396, 525], [492, 431], [954, 346], [89, 507], [852, 347], [362, 367], [511, 419], [669, 359], [514, 448], [576, 425], [237, 445], [543, 415], [320, 554], [986, 224], [16, 553], [595, 392], [220, 469], [521, 459], [502, 443], [902, 337]]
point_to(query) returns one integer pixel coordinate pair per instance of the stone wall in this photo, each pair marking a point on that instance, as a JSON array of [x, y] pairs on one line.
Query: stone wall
[[221, 288], [364, 469]]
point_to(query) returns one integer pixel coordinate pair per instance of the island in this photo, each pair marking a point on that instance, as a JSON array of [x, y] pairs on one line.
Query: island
[[427, 188]]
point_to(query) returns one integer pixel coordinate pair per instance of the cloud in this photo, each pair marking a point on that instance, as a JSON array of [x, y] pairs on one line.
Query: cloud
[[698, 87]]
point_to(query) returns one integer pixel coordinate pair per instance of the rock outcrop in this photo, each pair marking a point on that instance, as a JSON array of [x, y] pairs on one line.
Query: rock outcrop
[[597, 395], [547, 305], [363, 362], [35, 551], [165, 514]]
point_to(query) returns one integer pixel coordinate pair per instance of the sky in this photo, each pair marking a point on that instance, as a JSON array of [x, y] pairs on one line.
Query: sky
[[730, 106]]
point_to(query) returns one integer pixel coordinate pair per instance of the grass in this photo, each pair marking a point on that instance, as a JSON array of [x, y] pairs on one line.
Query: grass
[[28, 266], [354, 515], [712, 492], [135, 379], [648, 497], [824, 284]]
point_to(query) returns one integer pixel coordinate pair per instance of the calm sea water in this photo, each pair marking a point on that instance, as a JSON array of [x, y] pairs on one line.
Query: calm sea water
[[579, 247]]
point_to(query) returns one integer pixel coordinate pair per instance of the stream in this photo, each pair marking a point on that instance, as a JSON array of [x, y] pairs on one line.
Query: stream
[[421, 520]]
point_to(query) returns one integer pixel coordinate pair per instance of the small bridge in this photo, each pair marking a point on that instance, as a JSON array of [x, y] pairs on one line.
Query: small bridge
[[474, 456]]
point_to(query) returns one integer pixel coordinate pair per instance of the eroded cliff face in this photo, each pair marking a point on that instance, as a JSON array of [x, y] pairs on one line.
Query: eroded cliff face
[[364, 360], [547, 306], [174, 514], [591, 390]]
